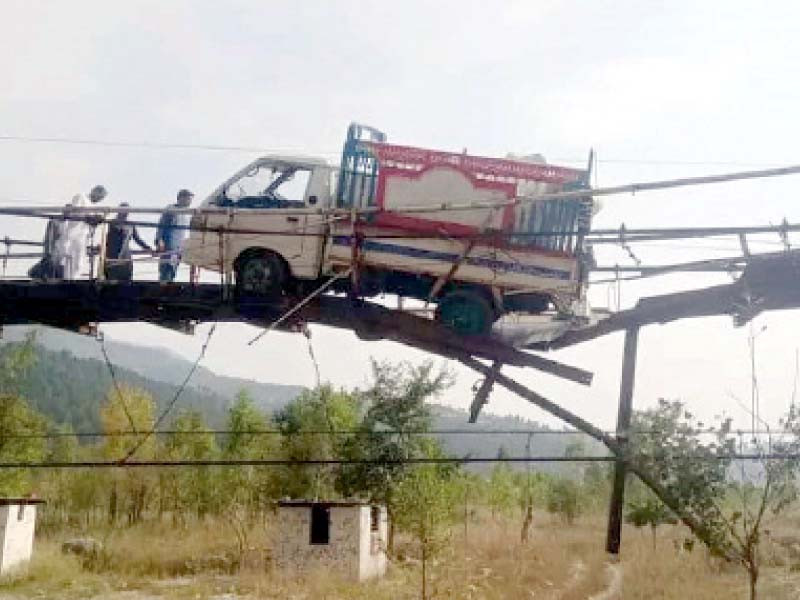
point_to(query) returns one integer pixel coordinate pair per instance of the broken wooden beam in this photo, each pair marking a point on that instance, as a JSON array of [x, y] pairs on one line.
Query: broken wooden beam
[[73, 304], [771, 283], [372, 322], [482, 395]]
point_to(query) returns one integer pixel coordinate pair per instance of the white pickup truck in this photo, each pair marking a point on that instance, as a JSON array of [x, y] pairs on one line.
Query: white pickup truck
[[286, 225]]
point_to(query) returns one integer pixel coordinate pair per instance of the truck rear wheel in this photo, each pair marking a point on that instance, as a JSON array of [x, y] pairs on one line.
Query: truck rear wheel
[[465, 311], [260, 274]]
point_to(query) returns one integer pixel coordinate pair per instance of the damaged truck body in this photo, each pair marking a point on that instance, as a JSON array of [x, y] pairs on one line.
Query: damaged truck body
[[385, 221]]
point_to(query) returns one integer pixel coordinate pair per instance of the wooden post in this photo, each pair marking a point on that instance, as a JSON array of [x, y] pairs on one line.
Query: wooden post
[[623, 427]]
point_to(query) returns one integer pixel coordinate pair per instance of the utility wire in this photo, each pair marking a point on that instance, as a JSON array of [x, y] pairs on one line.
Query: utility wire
[[364, 432], [367, 461], [149, 145], [266, 150]]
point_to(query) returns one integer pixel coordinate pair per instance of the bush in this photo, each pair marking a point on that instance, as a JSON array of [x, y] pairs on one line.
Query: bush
[[563, 498]]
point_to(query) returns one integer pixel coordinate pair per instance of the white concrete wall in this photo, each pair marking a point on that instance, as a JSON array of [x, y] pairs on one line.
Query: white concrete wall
[[16, 536], [372, 545]]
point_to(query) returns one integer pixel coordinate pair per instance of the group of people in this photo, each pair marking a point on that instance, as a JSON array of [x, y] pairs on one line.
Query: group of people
[[73, 240]]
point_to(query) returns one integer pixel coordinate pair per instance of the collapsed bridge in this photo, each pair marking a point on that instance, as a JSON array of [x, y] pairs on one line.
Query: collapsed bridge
[[765, 282]]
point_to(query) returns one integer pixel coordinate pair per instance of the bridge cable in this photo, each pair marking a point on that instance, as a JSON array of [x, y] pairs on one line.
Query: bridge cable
[[301, 304], [115, 383], [175, 398]]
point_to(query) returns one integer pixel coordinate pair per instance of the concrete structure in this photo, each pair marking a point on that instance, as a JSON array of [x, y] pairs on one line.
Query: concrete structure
[[17, 524], [347, 537]]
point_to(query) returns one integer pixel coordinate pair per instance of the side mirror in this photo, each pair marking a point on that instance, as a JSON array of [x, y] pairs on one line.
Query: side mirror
[[312, 200]]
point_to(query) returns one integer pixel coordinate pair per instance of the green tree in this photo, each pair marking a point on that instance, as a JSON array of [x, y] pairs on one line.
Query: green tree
[[391, 432], [18, 420], [563, 499], [15, 362], [19, 424], [650, 512], [125, 409], [193, 488], [693, 468], [56, 485], [249, 486], [503, 493], [468, 493], [306, 423], [425, 504]]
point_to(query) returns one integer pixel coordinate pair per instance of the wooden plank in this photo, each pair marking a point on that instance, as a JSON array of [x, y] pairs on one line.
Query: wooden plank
[[74, 304], [768, 283], [370, 322]]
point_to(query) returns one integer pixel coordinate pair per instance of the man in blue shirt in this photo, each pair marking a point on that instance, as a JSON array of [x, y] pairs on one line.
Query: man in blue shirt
[[172, 230]]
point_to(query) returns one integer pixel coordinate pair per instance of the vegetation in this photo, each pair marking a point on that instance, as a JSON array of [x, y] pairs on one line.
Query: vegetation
[[694, 467], [649, 512], [225, 512]]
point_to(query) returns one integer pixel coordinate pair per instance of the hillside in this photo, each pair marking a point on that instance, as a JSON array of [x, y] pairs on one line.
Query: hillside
[[552, 443], [70, 380], [166, 370]]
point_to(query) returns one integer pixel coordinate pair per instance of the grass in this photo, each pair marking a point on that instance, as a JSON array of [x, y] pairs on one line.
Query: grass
[[559, 562]]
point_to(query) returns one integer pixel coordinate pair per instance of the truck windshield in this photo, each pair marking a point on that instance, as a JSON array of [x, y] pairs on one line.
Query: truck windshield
[[267, 186]]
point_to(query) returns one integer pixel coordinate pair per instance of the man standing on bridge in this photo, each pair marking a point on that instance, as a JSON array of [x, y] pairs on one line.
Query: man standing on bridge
[[76, 239], [118, 264], [172, 230]]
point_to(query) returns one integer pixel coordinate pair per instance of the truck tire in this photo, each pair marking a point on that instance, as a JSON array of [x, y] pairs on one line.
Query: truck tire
[[466, 312], [260, 274]]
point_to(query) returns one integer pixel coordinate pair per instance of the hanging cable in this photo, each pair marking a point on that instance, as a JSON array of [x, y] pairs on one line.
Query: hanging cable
[[115, 383], [177, 395], [301, 304]]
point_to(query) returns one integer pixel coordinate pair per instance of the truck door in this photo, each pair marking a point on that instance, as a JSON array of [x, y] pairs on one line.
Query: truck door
[[261, 199]]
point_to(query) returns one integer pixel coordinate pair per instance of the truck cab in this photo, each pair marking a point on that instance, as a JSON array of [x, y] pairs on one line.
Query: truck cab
[[257, 225]]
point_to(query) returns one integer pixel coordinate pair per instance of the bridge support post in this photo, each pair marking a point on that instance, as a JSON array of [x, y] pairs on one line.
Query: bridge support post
[[623, 428]]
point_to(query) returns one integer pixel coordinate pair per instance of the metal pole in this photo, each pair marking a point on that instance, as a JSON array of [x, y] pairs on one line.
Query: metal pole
[[623, 427]]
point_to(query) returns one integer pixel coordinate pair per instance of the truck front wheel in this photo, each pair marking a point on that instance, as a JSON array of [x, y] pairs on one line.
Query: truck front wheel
[[465, 311], [260, 274]]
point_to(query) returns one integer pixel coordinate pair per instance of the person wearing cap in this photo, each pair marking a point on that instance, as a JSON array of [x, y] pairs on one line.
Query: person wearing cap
[[173, 228], [98, 230], [97, 194], [118, 265]]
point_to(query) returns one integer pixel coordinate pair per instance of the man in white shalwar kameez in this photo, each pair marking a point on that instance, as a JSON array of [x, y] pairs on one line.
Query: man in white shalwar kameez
[[73, 244]]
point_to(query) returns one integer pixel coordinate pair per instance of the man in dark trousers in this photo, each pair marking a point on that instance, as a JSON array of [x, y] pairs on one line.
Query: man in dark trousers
[[118, 261], [172, 230]]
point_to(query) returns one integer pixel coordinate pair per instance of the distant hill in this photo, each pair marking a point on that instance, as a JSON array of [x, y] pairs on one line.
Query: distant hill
[[70, 380], [141, 364], [546, 442]]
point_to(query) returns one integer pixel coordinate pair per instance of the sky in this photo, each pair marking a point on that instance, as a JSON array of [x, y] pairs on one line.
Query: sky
[[659, 90]]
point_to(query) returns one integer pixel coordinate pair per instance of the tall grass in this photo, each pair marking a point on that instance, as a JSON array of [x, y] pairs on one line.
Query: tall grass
[[559, 562]]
